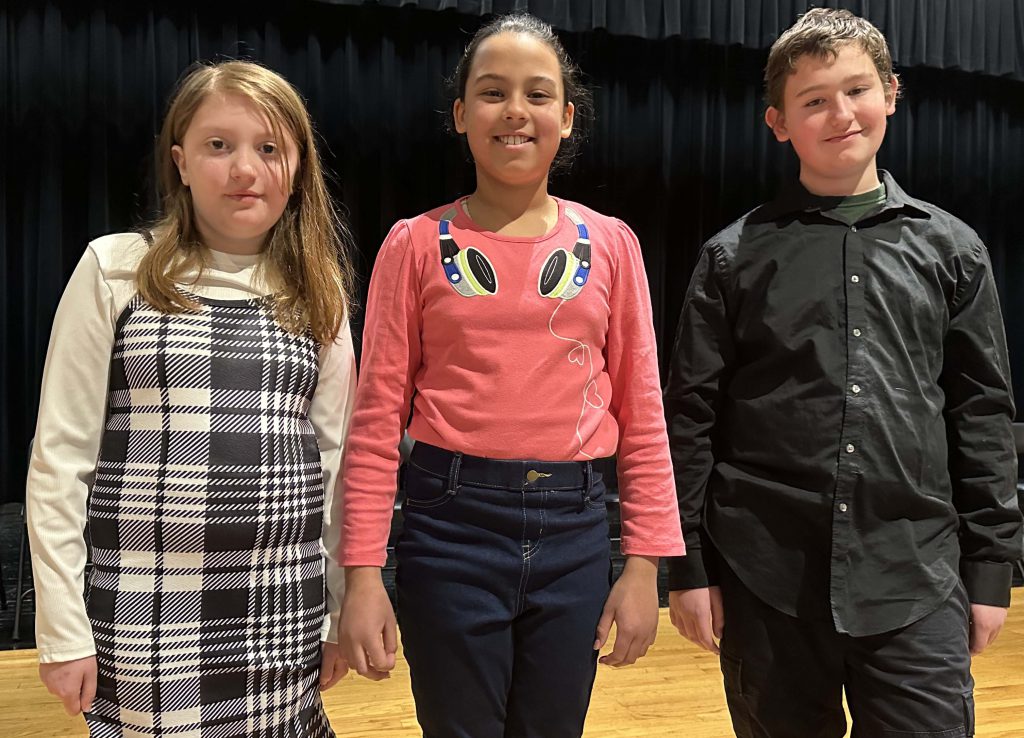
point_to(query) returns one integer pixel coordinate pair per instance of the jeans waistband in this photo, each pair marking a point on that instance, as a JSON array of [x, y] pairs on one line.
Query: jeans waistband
[[518, 474]]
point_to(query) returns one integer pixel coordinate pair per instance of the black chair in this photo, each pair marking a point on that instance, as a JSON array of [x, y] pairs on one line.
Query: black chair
[[21, 592], [3, 587]]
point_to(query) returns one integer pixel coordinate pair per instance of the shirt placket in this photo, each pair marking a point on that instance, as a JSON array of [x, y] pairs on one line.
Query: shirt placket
[[850, 451]]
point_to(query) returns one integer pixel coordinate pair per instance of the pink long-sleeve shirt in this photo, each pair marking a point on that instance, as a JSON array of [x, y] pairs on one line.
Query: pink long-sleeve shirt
[[510, 375]]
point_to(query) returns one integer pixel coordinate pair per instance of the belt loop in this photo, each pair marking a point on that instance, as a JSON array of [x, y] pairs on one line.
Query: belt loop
[[453, 473], [588, 485]]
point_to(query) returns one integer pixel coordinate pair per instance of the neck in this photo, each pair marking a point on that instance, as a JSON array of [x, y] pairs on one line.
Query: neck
[[845, 186], [513, 210], [237, 246]]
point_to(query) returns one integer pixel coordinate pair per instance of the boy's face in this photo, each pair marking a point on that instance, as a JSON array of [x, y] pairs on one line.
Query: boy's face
[[834, 113]]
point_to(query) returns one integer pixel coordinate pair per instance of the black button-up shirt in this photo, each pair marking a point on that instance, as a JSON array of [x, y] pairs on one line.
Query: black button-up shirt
[[839, 408]]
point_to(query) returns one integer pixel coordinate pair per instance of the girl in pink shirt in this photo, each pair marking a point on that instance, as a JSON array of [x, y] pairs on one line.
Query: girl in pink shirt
[[517, 328]]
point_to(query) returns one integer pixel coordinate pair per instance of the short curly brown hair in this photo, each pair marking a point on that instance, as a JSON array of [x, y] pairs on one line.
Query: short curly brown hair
[[822, 32]]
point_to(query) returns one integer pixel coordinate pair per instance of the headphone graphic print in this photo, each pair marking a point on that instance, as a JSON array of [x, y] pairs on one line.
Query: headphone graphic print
[[471, 274]]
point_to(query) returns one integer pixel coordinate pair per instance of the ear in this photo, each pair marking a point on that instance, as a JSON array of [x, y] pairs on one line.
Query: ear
[[890, 95], [568, 116], [776, 120], [459, 114], [178, 154]]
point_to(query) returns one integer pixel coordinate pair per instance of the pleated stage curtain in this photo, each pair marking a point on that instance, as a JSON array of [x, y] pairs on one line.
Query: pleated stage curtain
[[678, 148]]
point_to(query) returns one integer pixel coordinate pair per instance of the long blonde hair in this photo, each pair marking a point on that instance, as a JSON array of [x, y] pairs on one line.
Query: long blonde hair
[[306, 249]]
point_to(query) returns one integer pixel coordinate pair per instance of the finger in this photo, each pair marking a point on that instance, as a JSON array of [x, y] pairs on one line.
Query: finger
[[604, 627], [717, 616], [88, 689], [704, 636], [390, 643], [72, 704], [337, 669], [376, 675], [326, 671], [378, 658], [357, 660], [619, 651], [632, 652], [690, 630]]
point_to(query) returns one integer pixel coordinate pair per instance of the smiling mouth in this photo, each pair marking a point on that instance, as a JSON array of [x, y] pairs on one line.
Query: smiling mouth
[[845, 136], [513, 140]]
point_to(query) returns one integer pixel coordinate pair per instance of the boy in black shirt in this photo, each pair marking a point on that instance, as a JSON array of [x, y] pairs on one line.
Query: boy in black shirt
[[840, 411]]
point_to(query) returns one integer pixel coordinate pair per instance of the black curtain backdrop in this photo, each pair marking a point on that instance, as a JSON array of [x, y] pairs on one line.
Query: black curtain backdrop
[[969, 35], [678, 148]]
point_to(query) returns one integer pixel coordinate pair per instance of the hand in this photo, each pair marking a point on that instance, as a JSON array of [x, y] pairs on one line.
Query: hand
[[986, 622], [633, 606], [698, 615], [74, 682], [333, 665], [367, 634]]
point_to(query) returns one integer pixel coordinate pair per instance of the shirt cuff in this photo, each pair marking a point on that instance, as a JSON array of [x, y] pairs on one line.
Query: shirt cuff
[[987, 582], [697, 569]]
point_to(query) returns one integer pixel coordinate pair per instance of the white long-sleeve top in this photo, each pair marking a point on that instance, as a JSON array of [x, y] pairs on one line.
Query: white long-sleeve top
[[72, 408]]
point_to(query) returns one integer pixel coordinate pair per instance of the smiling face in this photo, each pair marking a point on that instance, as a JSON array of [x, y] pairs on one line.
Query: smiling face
[[513, 111], [834, 113], [238, 172]]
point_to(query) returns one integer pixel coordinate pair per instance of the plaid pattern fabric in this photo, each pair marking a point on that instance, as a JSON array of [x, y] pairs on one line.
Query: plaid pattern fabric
[[207, 592]]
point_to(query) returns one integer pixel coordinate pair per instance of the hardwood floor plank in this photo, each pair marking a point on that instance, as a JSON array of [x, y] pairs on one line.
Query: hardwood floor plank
[[675, 691]]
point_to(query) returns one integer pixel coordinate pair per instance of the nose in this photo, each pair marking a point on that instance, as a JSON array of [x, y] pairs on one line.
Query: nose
[[515, 107], [842, 110], [243, 164]]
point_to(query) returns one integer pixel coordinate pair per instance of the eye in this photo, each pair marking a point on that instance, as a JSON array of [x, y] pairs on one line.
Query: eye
[[857, 91], [539, 95], [813, 103], [492, 93], [216, 144], [268, 149]]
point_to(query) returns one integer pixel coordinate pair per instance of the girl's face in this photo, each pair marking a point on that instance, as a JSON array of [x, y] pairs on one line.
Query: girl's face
[[235, 169], [512, 111]]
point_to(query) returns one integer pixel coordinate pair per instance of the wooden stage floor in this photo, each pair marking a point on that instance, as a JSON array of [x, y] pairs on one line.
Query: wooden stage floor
[[675, 692]]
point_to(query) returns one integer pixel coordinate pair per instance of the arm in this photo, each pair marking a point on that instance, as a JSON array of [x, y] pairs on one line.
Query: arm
[[330, 412], [646, 492], [69, 429], [701, 358], [982, 458], [391, 357]]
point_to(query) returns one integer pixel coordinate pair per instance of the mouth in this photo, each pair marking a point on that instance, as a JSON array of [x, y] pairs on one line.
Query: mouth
[[244, 196], [844, 137], [514, 140]]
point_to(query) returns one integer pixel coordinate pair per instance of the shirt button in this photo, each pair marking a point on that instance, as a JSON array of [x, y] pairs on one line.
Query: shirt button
[[850, 448], [842, 507], [856, 389], [856, 331], [855, 279], [853, 228]]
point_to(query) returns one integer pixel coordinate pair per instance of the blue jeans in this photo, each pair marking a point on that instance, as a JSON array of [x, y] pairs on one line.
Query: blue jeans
[[503, 571]]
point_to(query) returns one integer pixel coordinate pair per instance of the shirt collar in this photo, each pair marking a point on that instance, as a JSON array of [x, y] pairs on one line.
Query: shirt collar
[[794, 198]]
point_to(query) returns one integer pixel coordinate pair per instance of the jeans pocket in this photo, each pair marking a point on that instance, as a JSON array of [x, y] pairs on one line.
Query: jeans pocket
[[969, 715], [596, 499], [424, 490], [732, 674]]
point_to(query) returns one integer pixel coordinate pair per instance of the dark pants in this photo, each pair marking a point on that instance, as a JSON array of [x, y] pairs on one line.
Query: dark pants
[[503, 571], [784, 676]]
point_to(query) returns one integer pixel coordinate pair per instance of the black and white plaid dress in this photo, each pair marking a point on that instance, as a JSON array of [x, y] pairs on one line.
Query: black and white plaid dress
[[207, 593]]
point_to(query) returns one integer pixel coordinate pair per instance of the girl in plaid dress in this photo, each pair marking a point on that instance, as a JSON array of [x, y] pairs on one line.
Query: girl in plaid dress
[[191, 422]]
